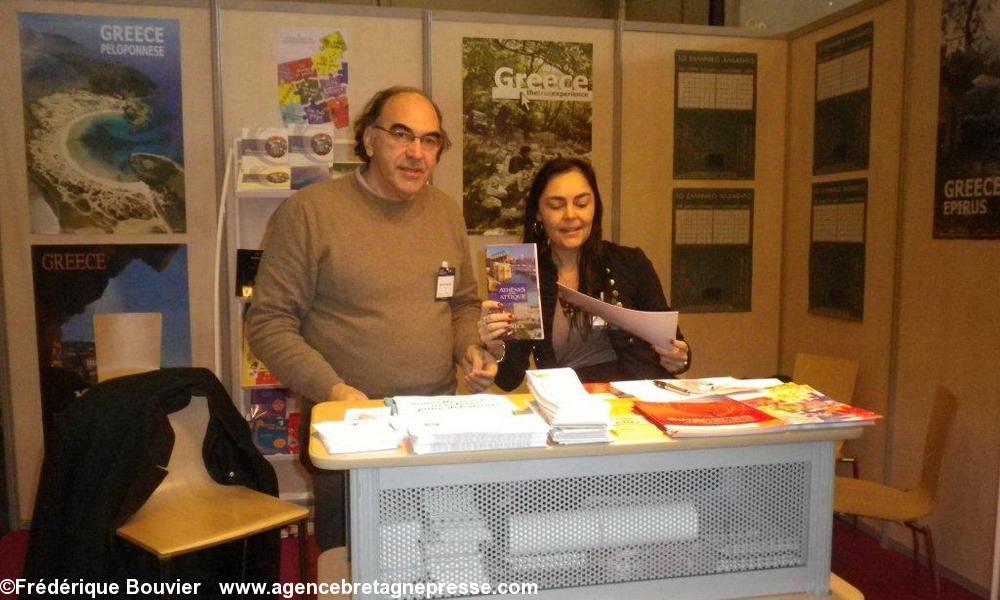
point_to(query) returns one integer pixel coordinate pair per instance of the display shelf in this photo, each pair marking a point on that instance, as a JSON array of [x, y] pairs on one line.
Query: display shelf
[[248, 212]]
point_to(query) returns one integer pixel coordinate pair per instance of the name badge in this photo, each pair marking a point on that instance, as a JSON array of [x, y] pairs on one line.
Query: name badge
[[445, 288]]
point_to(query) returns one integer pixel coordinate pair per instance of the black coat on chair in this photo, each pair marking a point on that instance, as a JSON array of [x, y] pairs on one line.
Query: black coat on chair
[[108, 455]]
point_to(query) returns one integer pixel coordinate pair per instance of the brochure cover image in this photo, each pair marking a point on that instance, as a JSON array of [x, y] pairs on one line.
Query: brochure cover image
[[512, 280]]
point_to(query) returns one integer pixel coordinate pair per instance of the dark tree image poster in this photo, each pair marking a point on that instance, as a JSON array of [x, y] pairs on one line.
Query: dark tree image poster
[[967, 191], [523, 103], [103, 134], [837, 249], [715, 115], [712, 254], [843, 101], [74, 283]]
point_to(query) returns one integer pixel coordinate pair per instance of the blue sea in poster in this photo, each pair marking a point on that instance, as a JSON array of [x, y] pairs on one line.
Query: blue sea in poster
[[104, 133]]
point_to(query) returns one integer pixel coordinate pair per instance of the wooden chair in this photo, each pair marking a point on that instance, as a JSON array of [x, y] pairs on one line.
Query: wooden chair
[[869, 499], [835, 377], [189, 511]]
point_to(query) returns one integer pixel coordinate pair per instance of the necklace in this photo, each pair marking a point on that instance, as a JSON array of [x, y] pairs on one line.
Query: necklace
[[568, 309]]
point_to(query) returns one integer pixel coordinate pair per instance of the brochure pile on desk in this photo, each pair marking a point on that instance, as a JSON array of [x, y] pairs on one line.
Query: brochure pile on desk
[[563, 412], [440, 424]]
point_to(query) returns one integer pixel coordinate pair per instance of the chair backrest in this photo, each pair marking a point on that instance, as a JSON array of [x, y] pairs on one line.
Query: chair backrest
[[833, 376], [186, 463], [127, 343], [942, 417]]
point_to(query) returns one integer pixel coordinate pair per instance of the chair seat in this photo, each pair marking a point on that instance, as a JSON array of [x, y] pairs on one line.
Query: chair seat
[[194, 516], [870, 499]]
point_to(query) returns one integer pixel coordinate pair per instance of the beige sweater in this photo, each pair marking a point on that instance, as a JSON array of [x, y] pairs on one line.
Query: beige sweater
[[345, 292]]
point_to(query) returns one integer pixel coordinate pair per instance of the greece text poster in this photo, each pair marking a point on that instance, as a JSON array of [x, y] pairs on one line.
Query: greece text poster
[[312, 77], [715, 115], [843, 101], [103, 134], [523, 103], [967, 194], [74, 283], [712, 254], [837, 249]]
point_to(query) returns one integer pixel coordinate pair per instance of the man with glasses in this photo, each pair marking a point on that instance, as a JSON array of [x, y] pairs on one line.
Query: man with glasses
[[366, 287]]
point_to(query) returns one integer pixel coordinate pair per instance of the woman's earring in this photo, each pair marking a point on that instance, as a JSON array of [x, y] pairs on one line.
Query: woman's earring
[[539, 230]]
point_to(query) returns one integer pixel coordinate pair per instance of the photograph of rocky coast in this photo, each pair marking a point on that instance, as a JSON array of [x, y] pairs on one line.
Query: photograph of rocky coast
[[102, 116]]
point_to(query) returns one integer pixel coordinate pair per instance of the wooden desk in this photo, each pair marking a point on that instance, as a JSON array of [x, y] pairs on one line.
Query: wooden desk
[[703, 519]]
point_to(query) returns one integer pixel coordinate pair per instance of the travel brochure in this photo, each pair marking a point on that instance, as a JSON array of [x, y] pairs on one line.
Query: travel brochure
[[719, 416], [512, 280], [802, 407], [563, 411], [276, 159]]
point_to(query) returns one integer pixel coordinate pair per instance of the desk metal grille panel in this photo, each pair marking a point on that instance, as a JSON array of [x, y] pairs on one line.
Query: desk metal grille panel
[[591, 530]]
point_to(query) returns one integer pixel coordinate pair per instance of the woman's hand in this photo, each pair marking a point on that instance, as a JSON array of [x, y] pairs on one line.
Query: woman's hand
[[675, 358], [494, 323]]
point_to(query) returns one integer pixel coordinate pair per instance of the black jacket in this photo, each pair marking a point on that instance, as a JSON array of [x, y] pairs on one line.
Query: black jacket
[[627, 279], [108, 456]]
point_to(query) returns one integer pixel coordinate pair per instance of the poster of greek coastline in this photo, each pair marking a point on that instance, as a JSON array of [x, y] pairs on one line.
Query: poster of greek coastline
[[712, 256], [967, 192], [843, 108], [523, 103], [102, 123], [74, 283], [837, 249], [312, 77], [715, 115]]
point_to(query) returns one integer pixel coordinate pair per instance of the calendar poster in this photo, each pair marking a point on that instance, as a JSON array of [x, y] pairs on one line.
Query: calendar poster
[[837, 249], [843, 101], [712, 250], [714, 115]]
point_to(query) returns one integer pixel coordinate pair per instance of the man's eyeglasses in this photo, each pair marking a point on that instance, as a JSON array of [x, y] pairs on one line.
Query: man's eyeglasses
[[432, 142]]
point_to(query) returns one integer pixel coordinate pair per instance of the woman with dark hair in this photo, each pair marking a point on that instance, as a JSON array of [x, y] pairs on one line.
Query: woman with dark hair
[[563, 216]]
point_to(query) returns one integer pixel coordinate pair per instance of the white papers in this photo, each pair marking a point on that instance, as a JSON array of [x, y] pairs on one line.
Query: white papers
[[576, 417], [365, 435], [472, 405], [657, 328], [451, 434], [467, 423]]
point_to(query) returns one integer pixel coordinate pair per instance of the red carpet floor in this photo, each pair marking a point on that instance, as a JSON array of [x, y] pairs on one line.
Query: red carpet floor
[[857, 557], [884, 574]]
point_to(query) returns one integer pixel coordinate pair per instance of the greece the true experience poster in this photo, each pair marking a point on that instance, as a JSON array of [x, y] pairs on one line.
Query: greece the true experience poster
[[102, 112], [523, 102]]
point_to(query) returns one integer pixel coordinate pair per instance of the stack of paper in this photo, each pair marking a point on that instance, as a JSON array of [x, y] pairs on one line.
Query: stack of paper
[[467, 423], [575, 416], [456, 433], [474, 406], [366, 435]]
